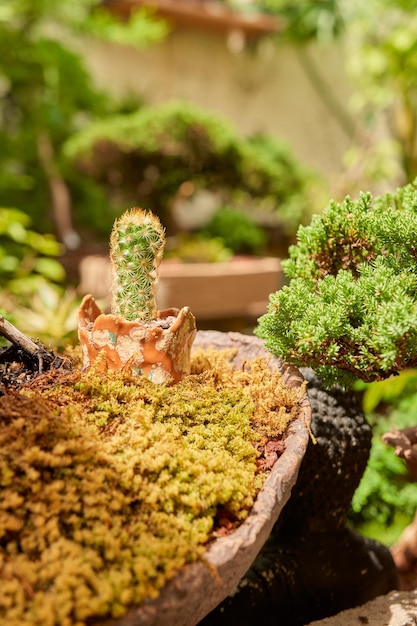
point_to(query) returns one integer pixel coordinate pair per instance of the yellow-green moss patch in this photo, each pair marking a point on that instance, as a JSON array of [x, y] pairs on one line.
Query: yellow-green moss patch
[[110, 484]]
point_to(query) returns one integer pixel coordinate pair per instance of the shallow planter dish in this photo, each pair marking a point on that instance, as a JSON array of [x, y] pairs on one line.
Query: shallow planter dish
[[199, 587]]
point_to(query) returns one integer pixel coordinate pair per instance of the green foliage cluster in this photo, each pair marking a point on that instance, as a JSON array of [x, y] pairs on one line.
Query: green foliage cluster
[[307, 19], [144, 157], [304, 20], [110, 483], [197, 248], [382, 59], [46, 94], [38, 104], [31, 277], [237, 230], [350, 308], [49, 314], [26, 255], [386, 500]]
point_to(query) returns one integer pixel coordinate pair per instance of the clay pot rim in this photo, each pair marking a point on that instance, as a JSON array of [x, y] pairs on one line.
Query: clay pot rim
[[95, 313]]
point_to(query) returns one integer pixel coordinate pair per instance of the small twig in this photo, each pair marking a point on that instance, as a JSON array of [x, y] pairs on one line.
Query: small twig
[[396, 438], [14, 335], [20, 340], [403, 442]]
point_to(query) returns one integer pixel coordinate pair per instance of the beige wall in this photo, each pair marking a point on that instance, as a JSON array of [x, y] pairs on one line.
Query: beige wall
[[262, 88]]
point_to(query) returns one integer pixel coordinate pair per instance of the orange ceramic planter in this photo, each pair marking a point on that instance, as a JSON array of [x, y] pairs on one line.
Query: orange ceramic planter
[[159, 350]]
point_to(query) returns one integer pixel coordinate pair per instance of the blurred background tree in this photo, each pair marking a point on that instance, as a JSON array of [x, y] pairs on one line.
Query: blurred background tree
[[380, 49], [46, 94], [382, 59], [48, 97]]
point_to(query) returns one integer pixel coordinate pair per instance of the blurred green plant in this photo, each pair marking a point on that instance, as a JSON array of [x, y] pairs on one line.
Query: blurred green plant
[[307, 19], [385, 394], [382, 59], [147, 156], [196, 248], [48, 314], [386, 499], [46, 94], [32, 294], [25, 255], [238, 231]]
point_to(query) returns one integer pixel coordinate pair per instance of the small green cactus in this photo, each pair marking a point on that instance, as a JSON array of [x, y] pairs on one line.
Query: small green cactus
[[136, 249]]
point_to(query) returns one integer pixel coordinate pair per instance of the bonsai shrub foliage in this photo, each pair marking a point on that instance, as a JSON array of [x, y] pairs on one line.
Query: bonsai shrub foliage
[[350, 308], [148, 157], [350, 312]]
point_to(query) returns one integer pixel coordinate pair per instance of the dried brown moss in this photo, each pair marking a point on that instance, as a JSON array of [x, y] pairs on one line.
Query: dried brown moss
[[111, 484]]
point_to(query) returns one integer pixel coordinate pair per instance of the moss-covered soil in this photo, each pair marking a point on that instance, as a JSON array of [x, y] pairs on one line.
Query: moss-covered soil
[[111, 483]]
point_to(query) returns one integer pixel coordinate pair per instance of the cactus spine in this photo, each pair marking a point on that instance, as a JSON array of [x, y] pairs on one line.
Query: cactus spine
[[136, 248]]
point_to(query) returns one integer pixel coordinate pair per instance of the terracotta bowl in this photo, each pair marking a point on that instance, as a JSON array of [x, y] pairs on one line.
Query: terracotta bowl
[[159, 349], [199, 587]]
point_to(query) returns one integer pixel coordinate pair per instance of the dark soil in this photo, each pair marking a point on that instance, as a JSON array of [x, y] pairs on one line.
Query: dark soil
[[18, 368]]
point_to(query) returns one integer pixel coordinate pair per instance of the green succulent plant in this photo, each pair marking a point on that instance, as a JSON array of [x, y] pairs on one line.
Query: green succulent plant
[[136, 249]]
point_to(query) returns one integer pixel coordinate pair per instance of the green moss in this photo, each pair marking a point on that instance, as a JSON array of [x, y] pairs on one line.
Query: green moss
[[349, 310], [111, 484]]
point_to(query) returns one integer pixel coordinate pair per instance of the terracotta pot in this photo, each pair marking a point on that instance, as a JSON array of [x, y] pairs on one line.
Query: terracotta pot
[[159, 350], [199, 587]]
